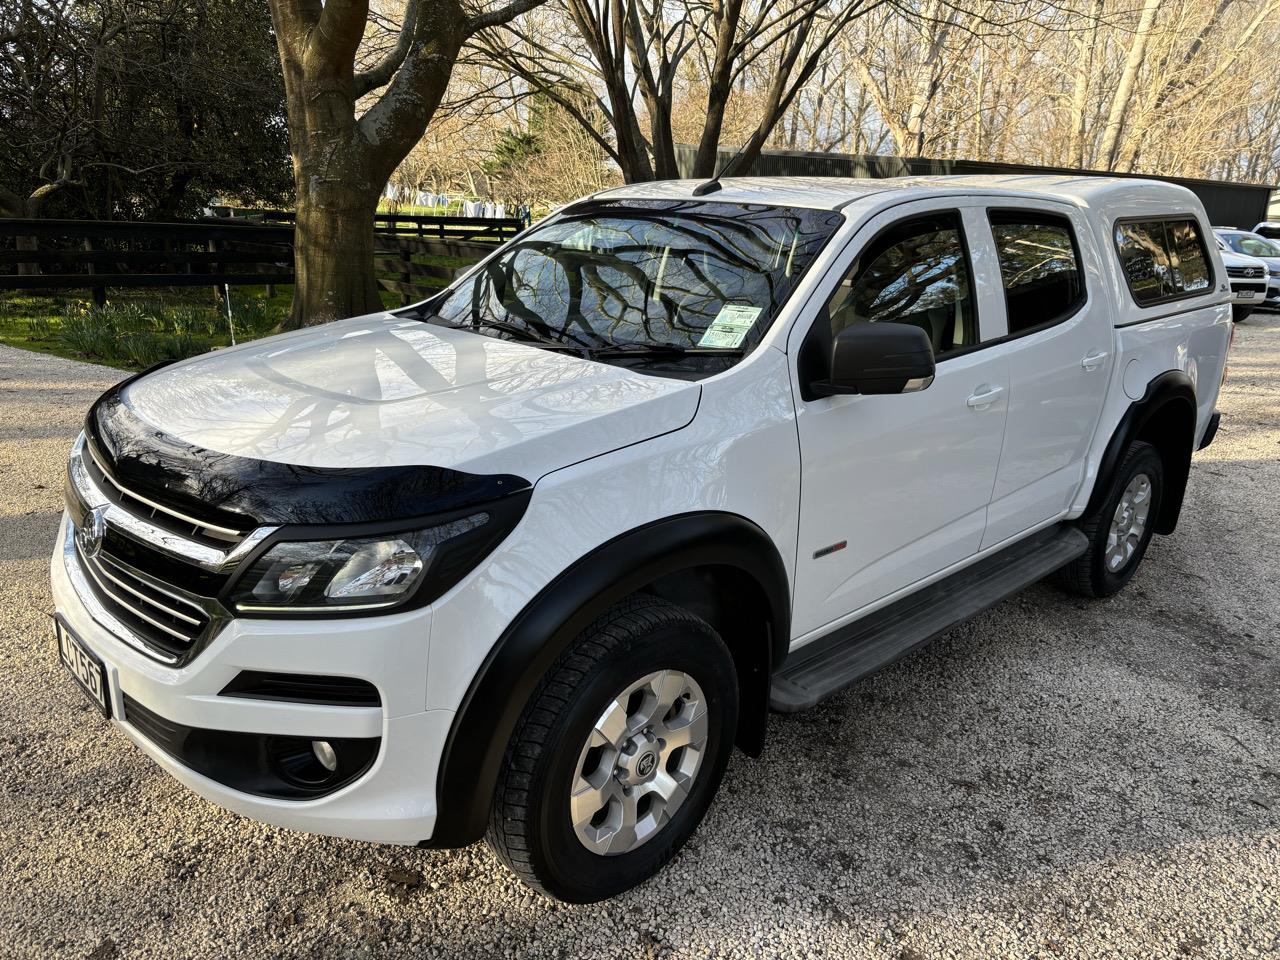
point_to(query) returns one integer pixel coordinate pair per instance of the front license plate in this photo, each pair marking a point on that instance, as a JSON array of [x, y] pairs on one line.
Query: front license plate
[[1246, 294], [86, 668]]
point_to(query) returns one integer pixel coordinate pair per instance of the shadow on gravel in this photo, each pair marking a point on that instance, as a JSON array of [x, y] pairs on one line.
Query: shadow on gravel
[[1058, 777], [1047, 737], [28, 537]]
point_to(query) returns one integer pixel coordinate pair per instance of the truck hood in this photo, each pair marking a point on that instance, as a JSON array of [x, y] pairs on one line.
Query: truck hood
[[1232, 259], [384, 391]]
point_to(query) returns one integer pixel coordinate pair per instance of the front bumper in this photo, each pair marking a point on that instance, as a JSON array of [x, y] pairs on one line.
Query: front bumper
[[1249, 293], [393, 801]]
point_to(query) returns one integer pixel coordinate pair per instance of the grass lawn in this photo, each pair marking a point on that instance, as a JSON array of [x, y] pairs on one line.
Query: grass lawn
[[434, 260], [138, 328]]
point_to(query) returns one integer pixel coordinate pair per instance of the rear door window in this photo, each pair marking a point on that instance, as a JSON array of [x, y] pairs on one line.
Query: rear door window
[[1039, 266], [1163, 259]]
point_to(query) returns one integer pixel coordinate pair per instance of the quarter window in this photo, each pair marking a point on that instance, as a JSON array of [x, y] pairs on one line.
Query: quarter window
[[1040, 268], [1163, 259], [916, 272]]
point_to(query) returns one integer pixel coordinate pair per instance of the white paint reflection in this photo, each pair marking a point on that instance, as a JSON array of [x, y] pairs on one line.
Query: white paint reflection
[[377, 391]]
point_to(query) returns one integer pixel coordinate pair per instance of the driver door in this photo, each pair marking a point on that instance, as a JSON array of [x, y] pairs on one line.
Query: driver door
[[895, 488]]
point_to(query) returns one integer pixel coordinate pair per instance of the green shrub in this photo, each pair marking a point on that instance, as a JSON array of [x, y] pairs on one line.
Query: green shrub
[[90, 332], [255, 317], [41, 328], [141, 334]]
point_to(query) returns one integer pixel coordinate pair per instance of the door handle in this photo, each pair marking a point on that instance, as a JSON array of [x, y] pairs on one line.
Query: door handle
[[1092, 361], [984, 397]]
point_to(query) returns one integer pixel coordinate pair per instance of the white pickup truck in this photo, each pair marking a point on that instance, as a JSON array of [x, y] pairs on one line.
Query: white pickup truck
[[528, 559]]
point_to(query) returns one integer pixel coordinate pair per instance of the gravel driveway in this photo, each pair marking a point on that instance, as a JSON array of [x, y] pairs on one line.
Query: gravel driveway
[[1054, 778]]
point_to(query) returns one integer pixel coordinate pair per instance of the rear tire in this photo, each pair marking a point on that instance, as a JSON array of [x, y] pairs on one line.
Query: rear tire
[[618, 754], [1120, 529]]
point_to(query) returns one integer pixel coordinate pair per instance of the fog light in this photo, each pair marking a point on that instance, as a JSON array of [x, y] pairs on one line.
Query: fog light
[[323, 752]]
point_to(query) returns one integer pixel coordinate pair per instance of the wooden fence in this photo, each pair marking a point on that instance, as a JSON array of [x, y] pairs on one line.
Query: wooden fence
[[422, 226], [97, 255]]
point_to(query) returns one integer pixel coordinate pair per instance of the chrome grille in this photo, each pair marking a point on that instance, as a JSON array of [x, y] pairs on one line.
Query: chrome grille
[[168, 621], [125, 567], [1249, 272]]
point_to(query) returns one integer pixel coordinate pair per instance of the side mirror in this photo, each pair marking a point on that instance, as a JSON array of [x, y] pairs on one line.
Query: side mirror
[[878, 358]]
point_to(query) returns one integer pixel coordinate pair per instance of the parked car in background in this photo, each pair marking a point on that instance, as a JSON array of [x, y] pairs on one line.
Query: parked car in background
[[1249, 278], [1250, 244], [1269, 229], [527, 560]]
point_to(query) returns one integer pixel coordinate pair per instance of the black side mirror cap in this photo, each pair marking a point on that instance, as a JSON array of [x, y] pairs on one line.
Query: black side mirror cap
[[878, 358]]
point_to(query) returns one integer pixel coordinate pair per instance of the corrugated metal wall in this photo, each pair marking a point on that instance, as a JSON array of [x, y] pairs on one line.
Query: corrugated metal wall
[[1228, 204]]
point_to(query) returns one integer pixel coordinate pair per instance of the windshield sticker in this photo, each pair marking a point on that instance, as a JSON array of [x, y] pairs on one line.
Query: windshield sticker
[[730, 327]]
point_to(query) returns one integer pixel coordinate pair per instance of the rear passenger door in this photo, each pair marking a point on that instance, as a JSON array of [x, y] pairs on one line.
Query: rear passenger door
[[1058, 340]]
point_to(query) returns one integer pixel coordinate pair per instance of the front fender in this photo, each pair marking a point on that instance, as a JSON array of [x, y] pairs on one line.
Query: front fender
[[533, 641]]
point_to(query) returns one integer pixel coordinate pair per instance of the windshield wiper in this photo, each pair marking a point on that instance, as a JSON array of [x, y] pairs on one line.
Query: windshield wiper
[[524, 334], [662, 350]]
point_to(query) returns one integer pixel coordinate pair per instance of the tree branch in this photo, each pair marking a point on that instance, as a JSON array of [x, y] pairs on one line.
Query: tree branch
[[338, 33], [380, 74], [500, 15]]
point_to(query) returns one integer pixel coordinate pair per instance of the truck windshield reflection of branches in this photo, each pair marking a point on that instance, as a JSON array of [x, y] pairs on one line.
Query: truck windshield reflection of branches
[[670, 281], [646, 278]]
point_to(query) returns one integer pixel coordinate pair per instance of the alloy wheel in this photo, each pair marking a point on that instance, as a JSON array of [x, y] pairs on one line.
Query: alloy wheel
[[1128, 523], [639, 762]]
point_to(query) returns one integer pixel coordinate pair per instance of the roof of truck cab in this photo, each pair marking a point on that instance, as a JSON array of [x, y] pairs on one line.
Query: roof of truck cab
[[834, 193]]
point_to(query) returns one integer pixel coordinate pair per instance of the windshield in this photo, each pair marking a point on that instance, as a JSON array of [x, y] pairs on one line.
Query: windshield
[[680, 285], [1252, 246]]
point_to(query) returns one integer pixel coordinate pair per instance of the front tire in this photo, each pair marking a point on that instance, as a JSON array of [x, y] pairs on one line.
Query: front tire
[[1239, 313], [1121, 527], [618, 754]]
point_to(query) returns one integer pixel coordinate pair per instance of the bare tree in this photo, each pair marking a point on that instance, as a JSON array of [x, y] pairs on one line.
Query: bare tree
[[1122, 97], [342, 156], [1164, 86], [640, 57], [1036, 82], [48, 60]]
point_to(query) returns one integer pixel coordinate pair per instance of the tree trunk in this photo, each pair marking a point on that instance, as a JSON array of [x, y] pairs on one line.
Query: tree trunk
[[341, 162], [708, 153], [28, 208], [1085, 47], [719, 86], [1121, 99], [333, 253]]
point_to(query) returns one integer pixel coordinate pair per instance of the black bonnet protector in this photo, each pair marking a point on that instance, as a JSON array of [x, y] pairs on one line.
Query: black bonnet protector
[[226, 489]]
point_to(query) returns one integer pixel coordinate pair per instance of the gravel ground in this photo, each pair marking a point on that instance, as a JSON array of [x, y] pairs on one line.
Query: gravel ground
[[1055, 778]]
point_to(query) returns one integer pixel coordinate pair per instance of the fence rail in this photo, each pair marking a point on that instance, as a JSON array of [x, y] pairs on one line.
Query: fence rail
[[422, 226], [97, 255]]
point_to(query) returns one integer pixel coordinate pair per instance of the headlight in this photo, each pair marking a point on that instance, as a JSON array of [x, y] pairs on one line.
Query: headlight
[[367, 572]]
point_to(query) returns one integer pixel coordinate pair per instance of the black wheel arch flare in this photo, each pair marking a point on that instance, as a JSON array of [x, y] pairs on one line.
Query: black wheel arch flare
[[1166, 417], [531, 643]]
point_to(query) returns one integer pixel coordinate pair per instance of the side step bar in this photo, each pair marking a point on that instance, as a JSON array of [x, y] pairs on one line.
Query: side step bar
[[829, 664]]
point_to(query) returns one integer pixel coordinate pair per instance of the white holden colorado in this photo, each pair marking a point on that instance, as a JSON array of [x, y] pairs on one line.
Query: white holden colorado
[[526, 560]]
